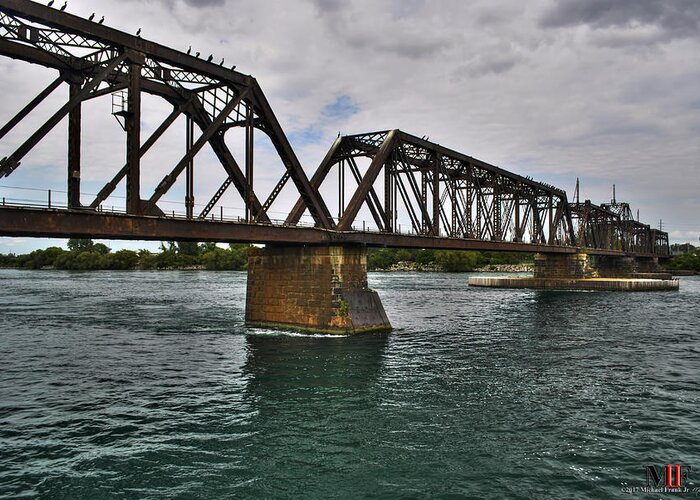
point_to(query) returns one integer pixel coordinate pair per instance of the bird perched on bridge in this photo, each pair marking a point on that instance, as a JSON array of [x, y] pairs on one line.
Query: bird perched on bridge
[[102, 19], [138, 32], [197, 54], [92, 16], [222, 62], [63, 7], [50, 3], [233, 67], [211, 56], [189, 50]]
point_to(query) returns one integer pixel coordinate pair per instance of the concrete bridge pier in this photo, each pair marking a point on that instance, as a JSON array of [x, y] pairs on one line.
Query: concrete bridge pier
[[646, 264], [582, 265], [314, 288], [581, 271]]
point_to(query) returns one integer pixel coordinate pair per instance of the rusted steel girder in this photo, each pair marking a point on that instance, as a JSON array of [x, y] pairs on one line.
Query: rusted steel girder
[[16, 221]]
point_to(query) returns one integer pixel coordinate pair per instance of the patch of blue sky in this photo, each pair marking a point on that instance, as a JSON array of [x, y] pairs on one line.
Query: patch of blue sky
[[313, 134], [342, 107], [336, 111]]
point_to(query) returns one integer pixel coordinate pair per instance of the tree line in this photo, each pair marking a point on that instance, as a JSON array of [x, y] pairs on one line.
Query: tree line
[[84, 254], [446, 260], [690, 260]]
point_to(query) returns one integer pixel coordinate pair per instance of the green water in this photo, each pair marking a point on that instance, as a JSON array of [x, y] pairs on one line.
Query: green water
[[147, 385]]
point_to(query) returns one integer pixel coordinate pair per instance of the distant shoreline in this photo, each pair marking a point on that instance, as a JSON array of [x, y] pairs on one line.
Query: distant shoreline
[[431, 268]]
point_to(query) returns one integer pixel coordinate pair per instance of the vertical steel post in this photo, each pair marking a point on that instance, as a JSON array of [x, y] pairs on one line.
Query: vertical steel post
[[477, 202], [341, 188], [189, 169], [436, 194], [469, 205], [518, 230], [394, 195], [424, 200], [550, 209], [133, 140], [74, 118], [388, 201], [249, 146], [496, 208], [452, 186]]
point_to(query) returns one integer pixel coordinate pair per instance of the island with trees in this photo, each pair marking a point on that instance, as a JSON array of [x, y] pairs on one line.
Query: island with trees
[[84, 254]]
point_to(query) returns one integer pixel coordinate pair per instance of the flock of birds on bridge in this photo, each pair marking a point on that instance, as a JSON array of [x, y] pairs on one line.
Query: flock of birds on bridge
[[138, 33]]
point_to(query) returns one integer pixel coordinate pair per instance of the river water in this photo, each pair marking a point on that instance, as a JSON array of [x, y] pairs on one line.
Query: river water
[[147, 385]]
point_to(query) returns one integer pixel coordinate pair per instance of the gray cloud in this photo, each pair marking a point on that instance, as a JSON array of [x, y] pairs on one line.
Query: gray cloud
[[205, 3], [674, 18], [518, 84], [491, 60], [326, 6]]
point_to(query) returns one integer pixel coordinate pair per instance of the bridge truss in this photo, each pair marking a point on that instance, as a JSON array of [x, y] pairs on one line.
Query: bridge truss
[[451, 200], [442, 192]]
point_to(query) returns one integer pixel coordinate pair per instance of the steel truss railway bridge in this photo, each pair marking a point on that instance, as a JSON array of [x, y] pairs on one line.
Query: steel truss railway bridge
[[451, 200]]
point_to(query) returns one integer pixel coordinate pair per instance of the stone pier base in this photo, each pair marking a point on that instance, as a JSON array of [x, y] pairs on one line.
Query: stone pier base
[[598, 284], [320, 289], [583, 265], [587, 272]]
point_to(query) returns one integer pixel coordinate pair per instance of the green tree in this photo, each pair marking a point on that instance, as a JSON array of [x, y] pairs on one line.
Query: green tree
[[166, 259], [218, 259], [100, 248], [87, 261], [121, 259], [688, 261], [190, 248], [404, 255], [425, 257], [207, 247], [239, 255], [65, 260], [80, 245], [456, 261], [382, 258], [147, 260], [9, 260]]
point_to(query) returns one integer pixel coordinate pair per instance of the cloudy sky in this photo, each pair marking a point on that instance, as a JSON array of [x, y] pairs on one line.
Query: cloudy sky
[[604, 90]]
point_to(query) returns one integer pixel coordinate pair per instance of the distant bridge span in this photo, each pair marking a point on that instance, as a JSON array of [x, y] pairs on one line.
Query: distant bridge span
[[450, 200]]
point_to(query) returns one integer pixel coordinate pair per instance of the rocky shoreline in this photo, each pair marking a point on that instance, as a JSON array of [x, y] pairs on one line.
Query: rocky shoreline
[[507, 268], [408, 266]]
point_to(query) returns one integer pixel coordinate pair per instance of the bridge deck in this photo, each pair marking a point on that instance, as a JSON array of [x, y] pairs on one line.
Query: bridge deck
[[62, 223]]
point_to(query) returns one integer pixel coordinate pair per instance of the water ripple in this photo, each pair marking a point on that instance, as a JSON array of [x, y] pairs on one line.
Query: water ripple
[[147, 385]]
